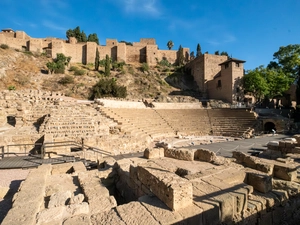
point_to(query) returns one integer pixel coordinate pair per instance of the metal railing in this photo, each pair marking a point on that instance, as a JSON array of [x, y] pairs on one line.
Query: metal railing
[[40, 149]]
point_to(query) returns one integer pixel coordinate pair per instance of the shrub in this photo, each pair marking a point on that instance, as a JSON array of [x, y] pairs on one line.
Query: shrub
[[4, 46], [108, 88], [164, 62], [28, 52], [131, 70], [145, 67], [11, 87], [66, 80], [73, 68], [79, 72]]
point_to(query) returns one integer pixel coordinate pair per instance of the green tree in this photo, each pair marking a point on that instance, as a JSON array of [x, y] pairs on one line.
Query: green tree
[[93, 38], [108, 88], [51, 66], [180, 56], [217, 53], [224, 53], [58, 64], [255, 84], [199, 52], [192, 55], [170, 44], [288, 59], [97, 59], [107, 66]]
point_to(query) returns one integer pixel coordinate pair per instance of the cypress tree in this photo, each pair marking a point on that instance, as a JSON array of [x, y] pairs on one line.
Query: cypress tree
[[97, 59]]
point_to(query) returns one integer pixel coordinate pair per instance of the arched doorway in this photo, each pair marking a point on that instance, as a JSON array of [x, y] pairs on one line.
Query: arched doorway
[[268, 127]]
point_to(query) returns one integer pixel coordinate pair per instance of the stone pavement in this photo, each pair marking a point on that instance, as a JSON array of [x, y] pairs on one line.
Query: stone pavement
[[245, 145]]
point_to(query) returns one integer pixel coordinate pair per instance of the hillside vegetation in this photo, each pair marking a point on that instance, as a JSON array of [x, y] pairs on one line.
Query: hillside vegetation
[[25, 70]]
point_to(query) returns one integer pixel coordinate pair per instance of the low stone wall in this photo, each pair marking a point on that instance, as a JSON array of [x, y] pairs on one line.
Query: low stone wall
[[159, 105], [173, 190], [120, 104]]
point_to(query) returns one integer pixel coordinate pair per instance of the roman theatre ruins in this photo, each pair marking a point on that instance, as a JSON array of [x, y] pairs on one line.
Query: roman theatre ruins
[[113, 161]]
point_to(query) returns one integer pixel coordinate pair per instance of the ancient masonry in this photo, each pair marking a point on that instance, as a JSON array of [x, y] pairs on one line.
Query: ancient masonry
[[166, 186], [144, 51]]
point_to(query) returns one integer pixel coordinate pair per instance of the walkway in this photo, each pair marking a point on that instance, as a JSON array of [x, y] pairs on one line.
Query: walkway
[[31, 161], [246, 145]]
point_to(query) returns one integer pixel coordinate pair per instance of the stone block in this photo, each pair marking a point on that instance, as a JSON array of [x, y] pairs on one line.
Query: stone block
[[110, 217], [51, 215], [239, 156], [265, 167], [173, 190], [77, 209], [204, 155], [260, 182], [78, 167], [159, 210], [181, 154], [78, 220], [285, 172], [135, 213], [59, 199], [153, 153], [62, 168]]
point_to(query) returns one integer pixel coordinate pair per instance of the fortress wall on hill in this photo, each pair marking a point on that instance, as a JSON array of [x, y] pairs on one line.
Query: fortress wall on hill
[[144, 51]]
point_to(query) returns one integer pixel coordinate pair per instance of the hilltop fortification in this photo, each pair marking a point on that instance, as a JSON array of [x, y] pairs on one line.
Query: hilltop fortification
[[139, 52]]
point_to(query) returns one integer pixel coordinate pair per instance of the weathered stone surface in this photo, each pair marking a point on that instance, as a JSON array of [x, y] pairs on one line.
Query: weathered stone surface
[[135, 213], [59, 199], [77, 209], [181, 153], [109, 217], [260, 182], [204, 155], [160, 211], [62, 168], [173, 190], [3, 191], [153, 153], [78, 167], [285, 172], [76, 199], [51, 215], [78, 220]]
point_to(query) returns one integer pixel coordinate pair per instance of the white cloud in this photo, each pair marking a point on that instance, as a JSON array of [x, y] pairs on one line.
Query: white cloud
[[146, 7], [53, 26]]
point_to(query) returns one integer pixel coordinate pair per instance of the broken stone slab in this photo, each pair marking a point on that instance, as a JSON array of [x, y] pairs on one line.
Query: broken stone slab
[[260, 182], [135, 213], [204, 155], [159, 210], [59, 199], [180, 153], [173, 190], [153, 153]]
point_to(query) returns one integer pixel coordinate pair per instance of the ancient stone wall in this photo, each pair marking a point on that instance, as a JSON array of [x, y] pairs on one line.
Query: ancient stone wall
[[144, 51]]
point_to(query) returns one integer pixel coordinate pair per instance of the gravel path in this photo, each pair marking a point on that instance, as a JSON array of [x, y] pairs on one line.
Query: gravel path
[[11, 179]]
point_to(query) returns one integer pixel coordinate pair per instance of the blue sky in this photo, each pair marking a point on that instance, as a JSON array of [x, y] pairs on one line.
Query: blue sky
[[251, 30]]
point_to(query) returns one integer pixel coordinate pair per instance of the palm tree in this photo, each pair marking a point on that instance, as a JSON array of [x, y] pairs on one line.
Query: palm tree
[[170, 44]]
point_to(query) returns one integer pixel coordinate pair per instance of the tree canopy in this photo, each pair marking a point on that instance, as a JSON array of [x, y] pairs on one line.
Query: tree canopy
[[108, 88], [287, 58], [81, 36], [266, 83], [199, 52], [170, 44]]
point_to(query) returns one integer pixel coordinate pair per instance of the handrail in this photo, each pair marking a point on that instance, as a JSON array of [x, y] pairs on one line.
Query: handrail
[[52, 145]]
